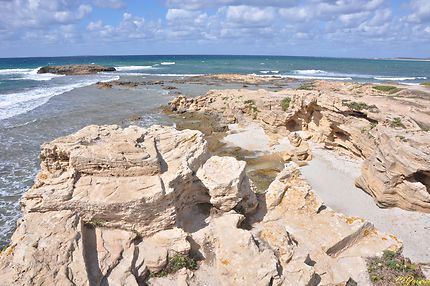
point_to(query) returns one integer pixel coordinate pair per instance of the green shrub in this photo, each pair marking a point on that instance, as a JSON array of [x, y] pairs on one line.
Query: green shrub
[[176, 263], [285, 103], [386, 270], [387, 88], [251, 104], [358, 106], [95, 222], [397, 123]]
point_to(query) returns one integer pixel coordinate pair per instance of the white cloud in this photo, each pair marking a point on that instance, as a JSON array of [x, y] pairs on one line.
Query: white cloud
[[248, 15], [296, 14], [225, 23], [421, 11], [201, 4], [35, 14], [130, 27]]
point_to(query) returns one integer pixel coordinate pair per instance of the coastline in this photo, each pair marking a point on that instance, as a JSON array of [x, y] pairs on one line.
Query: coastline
[[237, 106]]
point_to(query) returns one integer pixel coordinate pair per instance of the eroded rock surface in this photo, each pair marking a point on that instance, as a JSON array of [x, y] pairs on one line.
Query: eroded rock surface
[[389, 132], [115, 206]]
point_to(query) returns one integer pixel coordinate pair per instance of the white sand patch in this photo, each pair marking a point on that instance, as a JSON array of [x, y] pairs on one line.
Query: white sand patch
[[253, 138], [332, 177]]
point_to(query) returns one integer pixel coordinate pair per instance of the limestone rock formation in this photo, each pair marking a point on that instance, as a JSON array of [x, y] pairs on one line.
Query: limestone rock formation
[[115, 206], [389, 133], [228, 184], [75, 69], [396, 170]]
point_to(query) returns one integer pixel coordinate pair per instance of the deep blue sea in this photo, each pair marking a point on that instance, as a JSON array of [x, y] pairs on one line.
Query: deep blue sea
[[22, 89], [38, 108]]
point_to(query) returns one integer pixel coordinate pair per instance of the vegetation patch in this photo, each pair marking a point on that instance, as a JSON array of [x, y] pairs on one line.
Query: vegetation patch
[[392, 268], [306, 86], [397, 123], [95, 222], [359, 106], [251, 105], [387, 88], [285, 103], [425, 84], [176, 263]]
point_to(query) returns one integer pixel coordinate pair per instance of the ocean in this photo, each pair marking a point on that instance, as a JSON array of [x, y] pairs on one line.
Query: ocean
[[22, 89], [38, 108]]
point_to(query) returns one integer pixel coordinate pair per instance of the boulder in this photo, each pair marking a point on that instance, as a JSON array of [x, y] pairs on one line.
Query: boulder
[[229, 186]]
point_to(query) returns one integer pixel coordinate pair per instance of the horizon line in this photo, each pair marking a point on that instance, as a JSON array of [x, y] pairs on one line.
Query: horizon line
[[209, 55]]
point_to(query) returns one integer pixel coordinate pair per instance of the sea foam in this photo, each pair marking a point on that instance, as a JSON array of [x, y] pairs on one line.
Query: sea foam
[[27, 74], [132, 68], [12, 104]]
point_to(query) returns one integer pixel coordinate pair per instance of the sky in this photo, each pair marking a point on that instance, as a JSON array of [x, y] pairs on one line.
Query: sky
[[335, 28]]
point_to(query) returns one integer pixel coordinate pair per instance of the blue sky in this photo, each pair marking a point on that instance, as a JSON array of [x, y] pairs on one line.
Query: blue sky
[[337, 28]]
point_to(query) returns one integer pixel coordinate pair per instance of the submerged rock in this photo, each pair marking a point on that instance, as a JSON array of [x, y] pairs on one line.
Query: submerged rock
[[75, 69]]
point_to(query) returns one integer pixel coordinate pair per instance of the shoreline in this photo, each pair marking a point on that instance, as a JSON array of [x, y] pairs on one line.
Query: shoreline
[[289, 177]]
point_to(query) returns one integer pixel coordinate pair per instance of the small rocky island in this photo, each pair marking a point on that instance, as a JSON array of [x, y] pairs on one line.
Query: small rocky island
[[75, 69], [155, 206]]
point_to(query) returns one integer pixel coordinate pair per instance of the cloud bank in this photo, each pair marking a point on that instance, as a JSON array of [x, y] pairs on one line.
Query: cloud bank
[[319, 27]]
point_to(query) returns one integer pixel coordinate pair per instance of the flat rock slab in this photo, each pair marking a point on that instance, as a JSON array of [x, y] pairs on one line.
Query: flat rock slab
[[75, 69]]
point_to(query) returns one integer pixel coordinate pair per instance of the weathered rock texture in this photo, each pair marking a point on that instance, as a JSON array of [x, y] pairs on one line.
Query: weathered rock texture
[[112, 206], [389, 132], [75, 69]]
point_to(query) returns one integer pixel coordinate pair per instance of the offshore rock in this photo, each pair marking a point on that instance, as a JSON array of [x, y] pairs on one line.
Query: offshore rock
[[75, 69]]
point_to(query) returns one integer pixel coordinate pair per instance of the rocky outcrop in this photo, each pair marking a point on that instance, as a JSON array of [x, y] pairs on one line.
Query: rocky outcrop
[[315, 245], [396, 151], [75, 69], [292, 240], [115, 206], [228, 185], [389, 133]]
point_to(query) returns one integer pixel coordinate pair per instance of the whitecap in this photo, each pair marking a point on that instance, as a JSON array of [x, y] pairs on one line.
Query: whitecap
[[171, 74], [317, 77], [28, 74], [133, 68], [309, 72], [167, 63], [12, 104], [14, 71], [398, 78], [267, 72]]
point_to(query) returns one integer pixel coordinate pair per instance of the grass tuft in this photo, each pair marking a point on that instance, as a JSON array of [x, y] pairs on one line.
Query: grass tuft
[[251, 105], [95, 222], [176, 263], [358, 106], [425, 84], [285, 103], [387, 88], [397, 123]]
